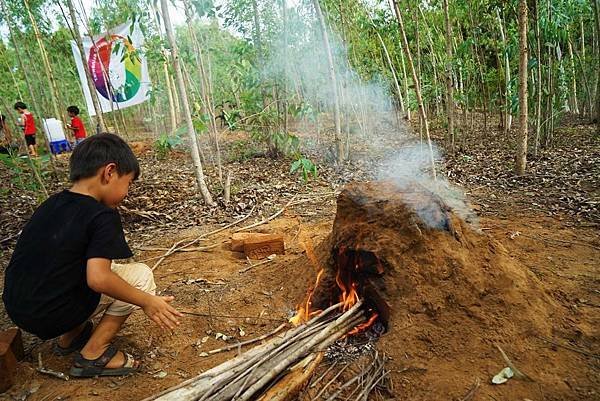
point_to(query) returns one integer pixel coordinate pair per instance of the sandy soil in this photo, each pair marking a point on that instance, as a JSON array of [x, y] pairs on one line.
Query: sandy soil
[[433, 358], [258, 300]]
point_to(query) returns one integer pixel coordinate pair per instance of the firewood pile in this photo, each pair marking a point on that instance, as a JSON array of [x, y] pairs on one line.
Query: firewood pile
[[274, 370]]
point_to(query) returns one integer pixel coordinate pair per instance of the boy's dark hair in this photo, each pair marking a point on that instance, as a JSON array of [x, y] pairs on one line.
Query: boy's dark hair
[[20, 105], [73, 109], [99, 150]]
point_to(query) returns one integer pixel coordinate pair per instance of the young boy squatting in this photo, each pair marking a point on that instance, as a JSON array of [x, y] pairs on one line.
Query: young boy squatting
[[60, 274]]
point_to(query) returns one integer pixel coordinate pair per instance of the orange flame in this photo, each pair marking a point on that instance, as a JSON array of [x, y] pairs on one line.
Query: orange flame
[[304, 312], [364, 326], [347, 285]]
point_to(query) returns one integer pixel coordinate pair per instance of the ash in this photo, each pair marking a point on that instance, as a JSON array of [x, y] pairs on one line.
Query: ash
[[351, 348]]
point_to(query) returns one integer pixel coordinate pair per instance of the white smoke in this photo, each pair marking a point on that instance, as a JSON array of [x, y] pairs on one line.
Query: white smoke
[[367, 107]]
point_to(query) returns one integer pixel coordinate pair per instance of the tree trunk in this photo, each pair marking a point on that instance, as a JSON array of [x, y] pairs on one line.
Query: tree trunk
[[165, 67], [538, 108], [186, 108], [176, 99], [574, 103], [521, 157], [205, 87], [334, 86], [417, 85], [405, 82], [393, 71], [507, 91], [597, 19], [285, 65], [77, 37], [47, 68], [32, 166], [449, 84], [36, 106]]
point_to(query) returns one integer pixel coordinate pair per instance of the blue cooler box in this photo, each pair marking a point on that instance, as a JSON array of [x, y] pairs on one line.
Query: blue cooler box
[[56, 136], [57, 147]]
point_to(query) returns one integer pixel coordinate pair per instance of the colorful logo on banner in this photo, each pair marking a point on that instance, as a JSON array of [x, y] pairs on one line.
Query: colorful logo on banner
[[99, 65]]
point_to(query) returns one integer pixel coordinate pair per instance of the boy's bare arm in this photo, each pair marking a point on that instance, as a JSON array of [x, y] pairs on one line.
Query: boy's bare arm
[[100, 278]]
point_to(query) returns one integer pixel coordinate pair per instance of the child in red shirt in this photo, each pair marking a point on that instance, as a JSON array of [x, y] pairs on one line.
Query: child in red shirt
[[28, 124], [76, 125]]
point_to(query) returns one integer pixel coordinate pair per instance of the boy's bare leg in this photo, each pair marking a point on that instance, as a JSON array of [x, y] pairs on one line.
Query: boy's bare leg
[[66, 339], [101, 338]]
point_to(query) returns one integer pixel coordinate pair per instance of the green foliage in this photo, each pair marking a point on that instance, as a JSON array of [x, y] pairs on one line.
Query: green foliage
[[242, 150], [252, 79], [305, 167], [20, 171], [166, 143], [278, 143]]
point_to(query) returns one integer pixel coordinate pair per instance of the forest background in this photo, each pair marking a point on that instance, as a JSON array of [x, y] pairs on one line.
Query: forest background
[[335, 68]]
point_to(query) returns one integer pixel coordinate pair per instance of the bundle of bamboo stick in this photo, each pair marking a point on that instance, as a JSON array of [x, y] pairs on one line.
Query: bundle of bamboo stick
[[248, 375]]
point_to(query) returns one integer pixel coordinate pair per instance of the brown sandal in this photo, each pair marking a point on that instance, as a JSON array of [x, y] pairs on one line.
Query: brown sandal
[[97, 367]]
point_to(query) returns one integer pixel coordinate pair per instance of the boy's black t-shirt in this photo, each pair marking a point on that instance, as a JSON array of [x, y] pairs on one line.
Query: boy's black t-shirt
[[45, 286]]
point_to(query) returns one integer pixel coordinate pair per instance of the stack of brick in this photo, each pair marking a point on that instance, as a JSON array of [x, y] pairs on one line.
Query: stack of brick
[[11, 351]]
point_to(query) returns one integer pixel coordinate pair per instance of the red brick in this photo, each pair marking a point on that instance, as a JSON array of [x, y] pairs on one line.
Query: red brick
[[258, 248], [8, 367], [239, 239], [14, 339]]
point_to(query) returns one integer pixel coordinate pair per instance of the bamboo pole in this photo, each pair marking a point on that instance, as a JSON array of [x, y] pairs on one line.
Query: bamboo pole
[[94, 95], [47, 69], [334, 86], [521, 156], [36, 106], [417, 86], [449, 81], [186, 108]]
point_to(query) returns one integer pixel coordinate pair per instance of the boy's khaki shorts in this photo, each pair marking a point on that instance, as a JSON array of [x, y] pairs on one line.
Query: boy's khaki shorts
[[137, 275]]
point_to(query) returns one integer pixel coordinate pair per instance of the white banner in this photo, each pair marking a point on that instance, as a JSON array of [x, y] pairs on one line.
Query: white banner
[[119, 70]]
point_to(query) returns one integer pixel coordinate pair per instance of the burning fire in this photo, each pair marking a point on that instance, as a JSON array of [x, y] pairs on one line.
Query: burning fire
[[345, 282], [304, 311]]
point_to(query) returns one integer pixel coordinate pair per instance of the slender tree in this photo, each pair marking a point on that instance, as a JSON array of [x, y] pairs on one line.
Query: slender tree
[[521, 157], [538, 69], [186, 108], [165, 71], [507, 92], [597, 19], [77, 37], [334, 85], [34, 100], [449, 75], [47, 67], [392, 69], [417, 85]]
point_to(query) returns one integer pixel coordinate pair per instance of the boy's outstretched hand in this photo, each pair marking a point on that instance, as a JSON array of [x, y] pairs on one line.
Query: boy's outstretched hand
[[158, 309]]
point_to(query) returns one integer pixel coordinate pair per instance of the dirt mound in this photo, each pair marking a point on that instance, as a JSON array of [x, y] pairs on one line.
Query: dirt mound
[[452, 291], [441, 268]]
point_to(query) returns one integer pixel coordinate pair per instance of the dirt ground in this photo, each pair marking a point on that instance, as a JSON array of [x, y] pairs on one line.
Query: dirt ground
[[258, 300], [217, 297]]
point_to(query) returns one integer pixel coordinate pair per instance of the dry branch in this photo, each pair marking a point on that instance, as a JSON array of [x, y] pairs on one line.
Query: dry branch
[[175, 247], [518, 374], [247, 375], [288, 387], [263, 221], [252, 341]]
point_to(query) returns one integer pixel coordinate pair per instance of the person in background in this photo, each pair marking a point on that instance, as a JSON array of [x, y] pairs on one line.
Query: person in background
[[76, 125], [28, 124]]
